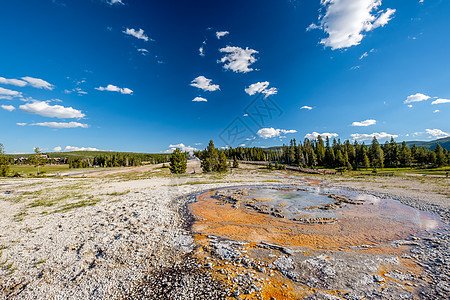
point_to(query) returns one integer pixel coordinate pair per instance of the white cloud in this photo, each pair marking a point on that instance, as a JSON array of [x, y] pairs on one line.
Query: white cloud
[[365, 123], [58, 148], [182, 147], [436, 111], [306, 107], [346, 21], [261, 87], [315, 135], [440, 101], [267, 133], [384, 18], [15, 82], [77, 90], [238, 60], [437, 133], [53, 111], [204, 83], [416, 98], [21, 124], [143, 51], [199, 99], [410, 106], [113, 88], [8, 107], [8, 94], [201, 51], [38, 83], [364, 136], [220, 34], [365, 54], [137, 34], [61, 125], [72, 148], [112, 2]]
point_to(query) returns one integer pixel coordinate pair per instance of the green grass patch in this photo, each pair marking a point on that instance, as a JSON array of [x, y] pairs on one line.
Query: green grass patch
[[83, 203], [27, 169], [118, 193], [20, 216], [403, 171]]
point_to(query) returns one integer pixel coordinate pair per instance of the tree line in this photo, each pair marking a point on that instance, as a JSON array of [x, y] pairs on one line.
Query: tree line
[[352, 156], [79, 160]]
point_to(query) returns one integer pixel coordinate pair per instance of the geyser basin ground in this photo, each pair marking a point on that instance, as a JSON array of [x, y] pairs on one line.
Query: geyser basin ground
[[297, 242]]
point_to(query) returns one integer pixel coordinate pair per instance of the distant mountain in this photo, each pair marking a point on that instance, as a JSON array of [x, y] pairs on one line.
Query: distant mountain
[[444, 142]]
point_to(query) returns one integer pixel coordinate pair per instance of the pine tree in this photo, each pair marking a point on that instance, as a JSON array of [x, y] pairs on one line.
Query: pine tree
[[37, 159], [376, 154], [222, 166], [178, 163], [340, 161], [320, 150], [365, 158], [4, 162], [210, 158], [440, 156], [235, 162], [405, 157]]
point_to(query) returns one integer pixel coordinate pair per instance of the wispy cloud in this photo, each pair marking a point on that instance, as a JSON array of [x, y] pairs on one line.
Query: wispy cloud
[[379, 136], [204, 83], [364, 123], [201, 51], [112, 2], [315, 135], [16, 82], [25, 81], [60, 125], [267, 133], [237, 59], [440, 101], [261, 87], [143, 51], [220, 34], [8, 107], [366, 54], [136, 33], [306, 107], [52, 111], [38, 83], [416, 98], [72, 148], [436, 133], [346, 21], [9, 94], [113, 88], [199, 99]]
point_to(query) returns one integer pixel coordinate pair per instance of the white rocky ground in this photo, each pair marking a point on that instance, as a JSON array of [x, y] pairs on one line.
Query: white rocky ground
[[99, 236]]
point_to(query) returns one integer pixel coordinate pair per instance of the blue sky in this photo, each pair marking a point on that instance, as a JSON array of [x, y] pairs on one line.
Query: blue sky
[[129, 75]]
